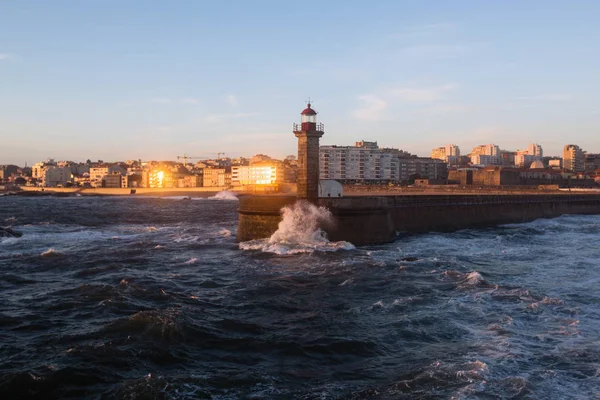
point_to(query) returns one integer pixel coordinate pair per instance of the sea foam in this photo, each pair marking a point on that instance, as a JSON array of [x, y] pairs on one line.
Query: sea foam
[[224, 195], [299, 232]]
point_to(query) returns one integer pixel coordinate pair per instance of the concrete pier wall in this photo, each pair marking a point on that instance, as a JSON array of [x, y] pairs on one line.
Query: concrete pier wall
[[259, 216], [370, 220]]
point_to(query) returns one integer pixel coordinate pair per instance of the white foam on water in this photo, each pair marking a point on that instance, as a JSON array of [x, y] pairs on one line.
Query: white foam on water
[[299, 232], [174, 197], [225, 232], [191, 261], [224, 195], [473, 278], [8, 240]]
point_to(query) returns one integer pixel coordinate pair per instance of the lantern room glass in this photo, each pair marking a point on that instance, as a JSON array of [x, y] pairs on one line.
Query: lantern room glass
[[309, 118]]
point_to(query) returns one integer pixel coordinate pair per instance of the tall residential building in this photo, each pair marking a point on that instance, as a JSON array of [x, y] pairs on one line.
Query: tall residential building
[[452, 150], [366, 162], [591, 162], [535, 149], [573, 159], [439, 153], [486, 150], [449, 153]]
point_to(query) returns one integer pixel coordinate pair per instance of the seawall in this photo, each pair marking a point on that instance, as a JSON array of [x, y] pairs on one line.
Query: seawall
[[370, 220]]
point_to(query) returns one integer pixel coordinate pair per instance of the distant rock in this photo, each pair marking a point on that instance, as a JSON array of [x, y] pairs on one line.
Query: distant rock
[[8, 232]]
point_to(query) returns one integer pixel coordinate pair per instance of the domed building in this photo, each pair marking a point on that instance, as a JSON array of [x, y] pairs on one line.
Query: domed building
[[537, 164]]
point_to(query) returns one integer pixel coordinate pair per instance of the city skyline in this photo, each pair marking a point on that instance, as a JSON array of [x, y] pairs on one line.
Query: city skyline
[[118, 81], [224, 156]]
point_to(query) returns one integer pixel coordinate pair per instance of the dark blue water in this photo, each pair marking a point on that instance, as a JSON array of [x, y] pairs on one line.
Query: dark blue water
[[153, 298]]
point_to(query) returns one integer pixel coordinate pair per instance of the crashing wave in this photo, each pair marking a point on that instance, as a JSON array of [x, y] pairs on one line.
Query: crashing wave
[[299, 232], [224, 195]]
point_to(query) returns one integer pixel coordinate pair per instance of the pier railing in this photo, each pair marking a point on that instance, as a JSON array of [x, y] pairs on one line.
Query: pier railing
[[305, 127]]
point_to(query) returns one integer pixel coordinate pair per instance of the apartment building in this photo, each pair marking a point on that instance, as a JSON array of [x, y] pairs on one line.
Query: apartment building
[[449, 153], [263, 173], [98, 173], [366, 162], [573, 158]]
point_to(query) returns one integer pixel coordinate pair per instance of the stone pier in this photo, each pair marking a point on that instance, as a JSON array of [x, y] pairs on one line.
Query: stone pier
[[378, 219]]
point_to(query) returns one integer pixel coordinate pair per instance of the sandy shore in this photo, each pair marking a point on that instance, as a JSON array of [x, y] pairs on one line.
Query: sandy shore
[[138, 192]]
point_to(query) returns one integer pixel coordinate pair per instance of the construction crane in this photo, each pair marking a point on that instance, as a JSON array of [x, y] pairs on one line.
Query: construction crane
[[185, 157]]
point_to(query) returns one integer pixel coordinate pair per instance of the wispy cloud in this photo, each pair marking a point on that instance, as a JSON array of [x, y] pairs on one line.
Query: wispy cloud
[[224, 117], [420, 95], [376, 106], [547, 97], [372, 109], [231, 100], [8, 56]]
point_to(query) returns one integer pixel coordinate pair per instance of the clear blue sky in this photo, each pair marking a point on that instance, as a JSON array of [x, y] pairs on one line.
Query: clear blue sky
[[155, 79]]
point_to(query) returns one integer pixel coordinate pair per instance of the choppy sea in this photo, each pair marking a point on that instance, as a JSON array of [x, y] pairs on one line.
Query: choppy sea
[[152, 298]]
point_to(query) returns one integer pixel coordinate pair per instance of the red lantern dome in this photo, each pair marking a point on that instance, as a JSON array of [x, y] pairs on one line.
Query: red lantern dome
[[308, 111], [309, 115]]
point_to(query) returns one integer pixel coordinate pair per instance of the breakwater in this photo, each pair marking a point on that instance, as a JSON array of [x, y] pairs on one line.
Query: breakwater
[[370, 220]]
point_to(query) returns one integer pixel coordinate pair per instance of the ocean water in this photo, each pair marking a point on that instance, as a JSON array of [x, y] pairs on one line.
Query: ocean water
[[149, 298]]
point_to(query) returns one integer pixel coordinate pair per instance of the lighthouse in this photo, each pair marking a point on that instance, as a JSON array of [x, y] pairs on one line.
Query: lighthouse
[[308, 133]]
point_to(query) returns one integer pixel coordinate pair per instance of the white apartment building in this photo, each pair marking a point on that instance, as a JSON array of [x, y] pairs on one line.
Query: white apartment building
[[365, 161], [257, 175], [524, 160], [56, 176], [98, 173], [484, 159]]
